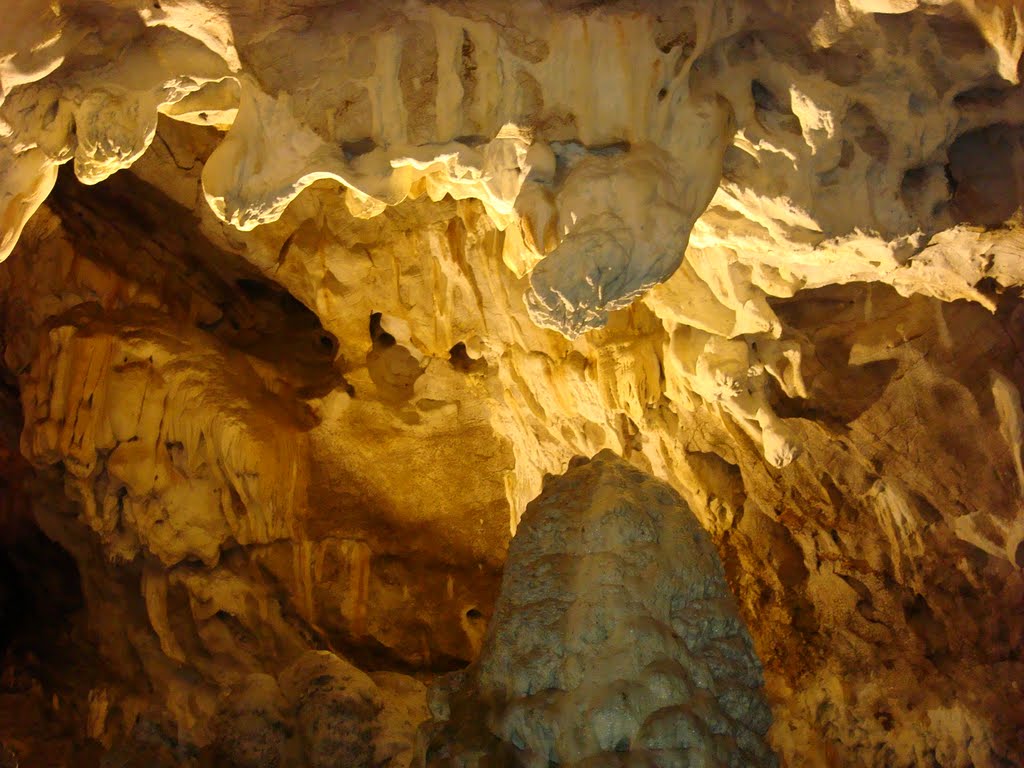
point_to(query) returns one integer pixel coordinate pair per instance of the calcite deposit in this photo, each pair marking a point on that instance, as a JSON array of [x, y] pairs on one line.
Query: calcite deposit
[[300, 302], [614, 640]]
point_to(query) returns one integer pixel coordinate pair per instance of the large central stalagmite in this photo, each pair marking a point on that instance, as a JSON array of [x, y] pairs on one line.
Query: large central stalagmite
[[614, 642]]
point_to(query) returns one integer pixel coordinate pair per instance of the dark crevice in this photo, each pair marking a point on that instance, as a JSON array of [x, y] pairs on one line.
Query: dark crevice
[[44, 655], [460, 360], [985, 171]]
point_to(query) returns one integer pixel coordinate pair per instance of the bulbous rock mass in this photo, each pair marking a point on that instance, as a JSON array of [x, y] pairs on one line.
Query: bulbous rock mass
[[615, 640]]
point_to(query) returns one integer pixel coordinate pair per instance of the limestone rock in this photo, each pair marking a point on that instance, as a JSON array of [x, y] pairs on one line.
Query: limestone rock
[[405, 708], [320, 712], [336, 707], [255, 727], [614, 639], [622, 218], [715, 130], [281, 385]]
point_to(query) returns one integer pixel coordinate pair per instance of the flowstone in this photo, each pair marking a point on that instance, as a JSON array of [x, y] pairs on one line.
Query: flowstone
[[615, 641]]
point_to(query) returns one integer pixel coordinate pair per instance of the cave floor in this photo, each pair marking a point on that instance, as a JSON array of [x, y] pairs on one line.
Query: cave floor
[[45, 678]]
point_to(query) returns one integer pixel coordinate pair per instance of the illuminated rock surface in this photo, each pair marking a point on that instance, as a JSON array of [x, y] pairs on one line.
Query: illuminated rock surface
[[336, 286]]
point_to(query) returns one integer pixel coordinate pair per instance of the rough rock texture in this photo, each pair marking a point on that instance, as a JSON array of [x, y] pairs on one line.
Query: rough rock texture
[[336, 706], [346, 282], [614, 641], [801, 146], [321, 712]]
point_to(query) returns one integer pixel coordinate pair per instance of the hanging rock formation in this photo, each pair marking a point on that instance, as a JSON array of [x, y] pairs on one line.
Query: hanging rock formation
[[301, 302], [614, 640]]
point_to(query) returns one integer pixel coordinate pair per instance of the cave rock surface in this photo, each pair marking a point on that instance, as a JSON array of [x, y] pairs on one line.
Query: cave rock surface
[[302, 300], [615, 640]]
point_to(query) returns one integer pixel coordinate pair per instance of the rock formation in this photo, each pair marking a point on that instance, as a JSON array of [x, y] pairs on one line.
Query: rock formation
[[322, 712], [614, 640], [301, 301]]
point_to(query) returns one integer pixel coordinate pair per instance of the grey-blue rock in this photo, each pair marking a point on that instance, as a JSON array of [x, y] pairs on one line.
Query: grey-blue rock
[[615, 641]]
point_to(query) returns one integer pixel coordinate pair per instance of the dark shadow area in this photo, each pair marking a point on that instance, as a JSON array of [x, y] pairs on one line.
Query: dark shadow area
[[986, 173], [838, 391], [460, 359], [47, 666]]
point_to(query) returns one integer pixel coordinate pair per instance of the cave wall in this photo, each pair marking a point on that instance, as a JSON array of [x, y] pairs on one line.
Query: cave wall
[[294, 375]]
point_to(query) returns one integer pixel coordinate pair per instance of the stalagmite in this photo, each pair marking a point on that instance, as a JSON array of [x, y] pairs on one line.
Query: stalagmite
[[614, 640]]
